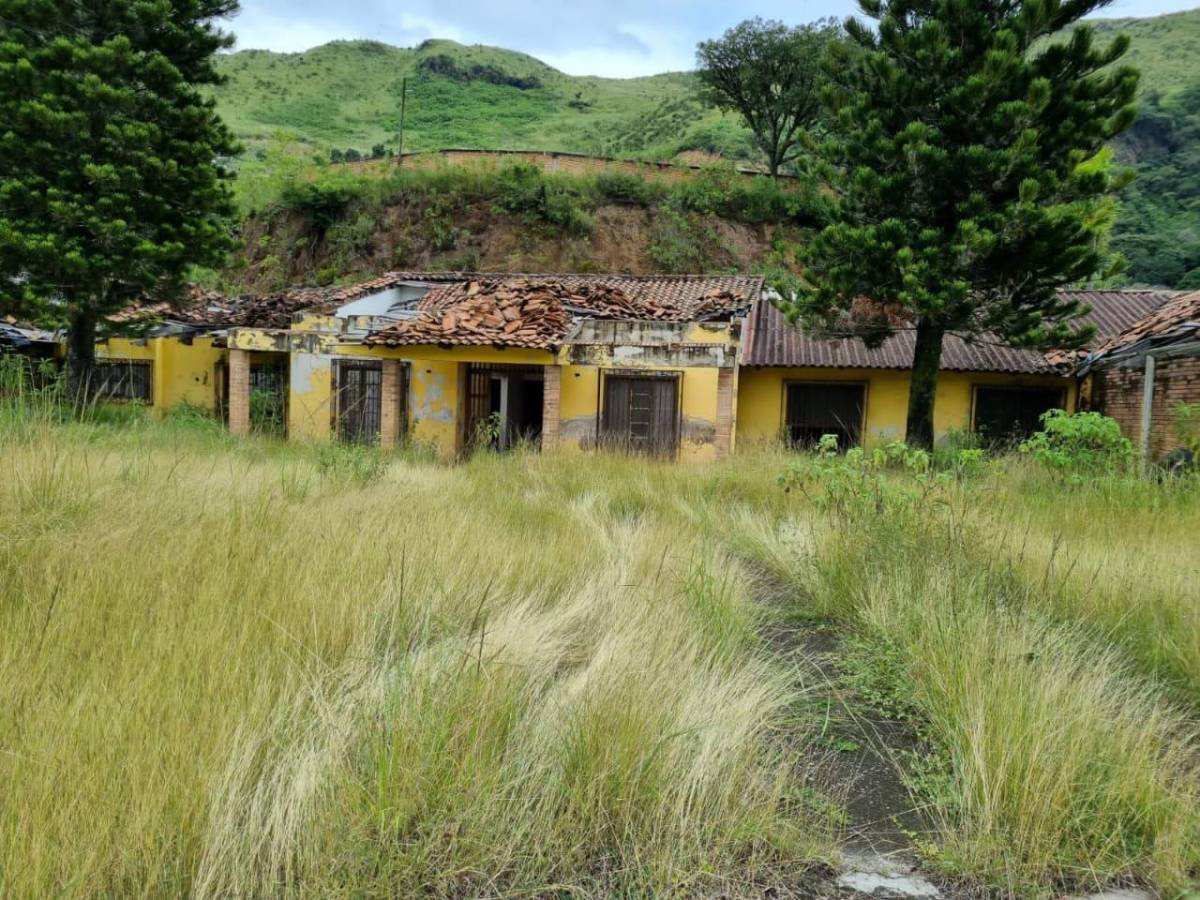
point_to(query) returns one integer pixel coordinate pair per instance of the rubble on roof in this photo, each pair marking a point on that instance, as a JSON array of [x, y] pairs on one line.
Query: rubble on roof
[[1180, 315], [536, 312], [508, 313]]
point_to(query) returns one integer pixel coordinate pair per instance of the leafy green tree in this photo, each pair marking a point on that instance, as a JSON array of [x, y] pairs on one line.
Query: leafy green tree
[[111, 184], [336, 155], [771, 75], [971, 176]]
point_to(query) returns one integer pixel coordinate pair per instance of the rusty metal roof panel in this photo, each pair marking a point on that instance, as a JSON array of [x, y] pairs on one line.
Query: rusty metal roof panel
[[1114, 311], [770, 340]]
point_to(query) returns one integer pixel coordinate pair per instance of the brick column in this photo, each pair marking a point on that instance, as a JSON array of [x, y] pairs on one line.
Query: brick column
[[723, 441], [389, 412], [551, 406], [239, 391]]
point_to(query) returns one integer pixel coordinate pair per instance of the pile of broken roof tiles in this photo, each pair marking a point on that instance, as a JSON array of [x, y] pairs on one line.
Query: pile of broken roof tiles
[[536, 314]]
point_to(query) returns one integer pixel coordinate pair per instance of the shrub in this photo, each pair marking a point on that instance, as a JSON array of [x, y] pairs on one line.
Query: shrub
[[1187, 425], [622, 187], [523, 190], [1085, 441], [357, 464], [322, 201]]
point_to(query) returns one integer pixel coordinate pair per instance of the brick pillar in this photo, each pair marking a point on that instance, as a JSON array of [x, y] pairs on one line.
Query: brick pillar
[[551, 406], [723, 441], [239, 391], [389, 412]]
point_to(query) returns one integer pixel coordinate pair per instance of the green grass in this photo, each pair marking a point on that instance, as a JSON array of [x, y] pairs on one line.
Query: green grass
[[237, 667], [346, 94]]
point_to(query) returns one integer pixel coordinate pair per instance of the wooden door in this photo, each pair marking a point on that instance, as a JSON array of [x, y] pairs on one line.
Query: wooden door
[[641, 414]]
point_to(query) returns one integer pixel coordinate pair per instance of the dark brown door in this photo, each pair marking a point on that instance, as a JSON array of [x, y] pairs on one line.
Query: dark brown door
[[641, 414], [359, 401], [816, 409]]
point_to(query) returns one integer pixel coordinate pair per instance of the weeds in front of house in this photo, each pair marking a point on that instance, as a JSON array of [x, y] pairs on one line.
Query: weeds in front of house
[[458, 681], [271, 669], [1058, 758]]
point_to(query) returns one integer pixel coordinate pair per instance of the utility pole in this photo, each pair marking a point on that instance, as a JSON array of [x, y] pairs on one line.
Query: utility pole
[[403, 98]]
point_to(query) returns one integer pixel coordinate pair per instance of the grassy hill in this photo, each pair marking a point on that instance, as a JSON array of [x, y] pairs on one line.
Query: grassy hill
[[346, 94]]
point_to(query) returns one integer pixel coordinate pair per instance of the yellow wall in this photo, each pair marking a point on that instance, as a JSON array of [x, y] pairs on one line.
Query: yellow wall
[[183, 373], [760, 399], [581, 400]]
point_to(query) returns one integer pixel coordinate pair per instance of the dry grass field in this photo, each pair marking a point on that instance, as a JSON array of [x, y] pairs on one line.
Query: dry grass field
[[239, 668]]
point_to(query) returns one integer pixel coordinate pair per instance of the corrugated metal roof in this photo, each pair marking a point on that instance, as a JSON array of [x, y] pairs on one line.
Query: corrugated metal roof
[[770, 340], [1114, 311]]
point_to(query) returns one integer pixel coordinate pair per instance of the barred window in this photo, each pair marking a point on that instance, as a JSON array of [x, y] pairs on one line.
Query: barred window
[[125, 379]]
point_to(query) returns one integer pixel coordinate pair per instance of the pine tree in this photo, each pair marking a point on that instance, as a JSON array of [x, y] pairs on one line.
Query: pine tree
[[111, 184], [971, 175]]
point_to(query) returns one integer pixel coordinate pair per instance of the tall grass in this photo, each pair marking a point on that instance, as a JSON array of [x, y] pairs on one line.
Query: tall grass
[[514, 675], [233, 667], [1119, 555], [1062, 766]]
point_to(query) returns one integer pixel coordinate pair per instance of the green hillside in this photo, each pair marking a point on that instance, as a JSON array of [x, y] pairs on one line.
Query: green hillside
[[346, 94]]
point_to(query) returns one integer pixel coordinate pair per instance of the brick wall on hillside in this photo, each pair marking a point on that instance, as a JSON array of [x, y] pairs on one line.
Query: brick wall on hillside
[[573, 163], [1118, 393]]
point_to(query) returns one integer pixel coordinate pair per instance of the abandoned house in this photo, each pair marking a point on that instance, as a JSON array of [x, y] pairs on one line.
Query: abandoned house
[[677, 366]]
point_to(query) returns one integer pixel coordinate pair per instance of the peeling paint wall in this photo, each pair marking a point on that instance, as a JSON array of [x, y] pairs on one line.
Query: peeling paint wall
[[581, 404], [433, 405], [310, 396], [760, 403], [697, 351]]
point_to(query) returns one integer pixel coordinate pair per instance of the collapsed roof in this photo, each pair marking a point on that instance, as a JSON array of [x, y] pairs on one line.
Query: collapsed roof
[[538, 311], [1175, 323]]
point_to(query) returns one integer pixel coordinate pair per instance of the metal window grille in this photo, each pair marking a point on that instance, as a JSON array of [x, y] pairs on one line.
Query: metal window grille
[[815, 409], [122, 380], [359, 402], [641, 414]]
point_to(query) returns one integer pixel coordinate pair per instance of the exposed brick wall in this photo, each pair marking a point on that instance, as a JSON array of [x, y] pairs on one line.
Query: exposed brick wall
[[390, 426], [724, 434], [239, 391], [573, 164], [1118, 393], [551, 406]]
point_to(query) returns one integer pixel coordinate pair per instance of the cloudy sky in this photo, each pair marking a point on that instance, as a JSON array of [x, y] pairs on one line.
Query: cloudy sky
[[582, 37]]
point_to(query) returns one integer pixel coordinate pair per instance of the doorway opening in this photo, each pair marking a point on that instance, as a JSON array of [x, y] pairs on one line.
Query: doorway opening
[[504, 406]]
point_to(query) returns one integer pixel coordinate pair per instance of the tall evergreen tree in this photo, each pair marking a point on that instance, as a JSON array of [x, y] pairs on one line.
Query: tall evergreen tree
[[111, 184], [971, 176]]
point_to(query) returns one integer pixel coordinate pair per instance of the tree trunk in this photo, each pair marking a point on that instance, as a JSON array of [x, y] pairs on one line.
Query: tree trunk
[[81, 354], [927, 359]]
